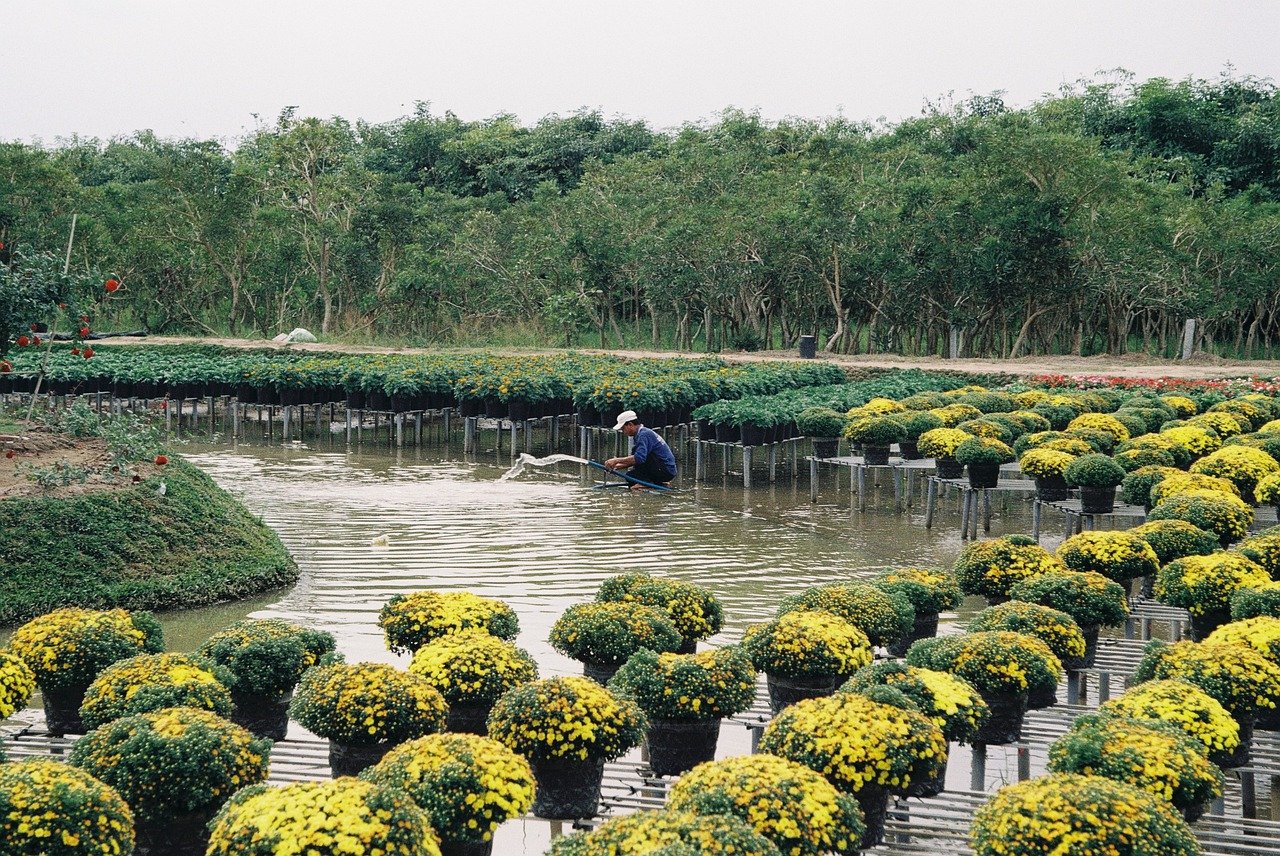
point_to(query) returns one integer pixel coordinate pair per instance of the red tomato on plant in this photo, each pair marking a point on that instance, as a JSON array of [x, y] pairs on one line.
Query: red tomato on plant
[[23, 341], [111, 285], [84, 331], [87, 353], [161, 460]]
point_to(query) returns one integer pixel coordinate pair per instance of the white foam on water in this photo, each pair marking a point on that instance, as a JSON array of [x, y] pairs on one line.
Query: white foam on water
[[527, 460]]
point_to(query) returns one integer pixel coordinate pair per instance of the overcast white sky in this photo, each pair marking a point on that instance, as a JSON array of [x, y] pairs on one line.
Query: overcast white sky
[[205, 67]]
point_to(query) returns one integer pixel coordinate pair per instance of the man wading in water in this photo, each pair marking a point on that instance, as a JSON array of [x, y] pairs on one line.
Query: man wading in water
[[650, 460]]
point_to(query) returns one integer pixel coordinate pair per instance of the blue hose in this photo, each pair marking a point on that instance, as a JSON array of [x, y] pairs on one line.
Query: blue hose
[[630, 479]]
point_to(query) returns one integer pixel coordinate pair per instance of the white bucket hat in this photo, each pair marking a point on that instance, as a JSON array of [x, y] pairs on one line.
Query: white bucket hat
[[624, 417]]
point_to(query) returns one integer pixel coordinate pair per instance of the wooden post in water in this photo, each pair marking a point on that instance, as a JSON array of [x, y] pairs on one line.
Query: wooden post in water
[[469, 435], [1188, 339], [746, 467]]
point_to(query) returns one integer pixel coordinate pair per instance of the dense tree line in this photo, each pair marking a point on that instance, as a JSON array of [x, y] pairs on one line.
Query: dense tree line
[[1098, 219]]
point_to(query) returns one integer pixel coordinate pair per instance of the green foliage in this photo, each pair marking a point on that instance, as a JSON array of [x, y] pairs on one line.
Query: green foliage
[[820, 422], [136, 548], [1098, 471], [688, 687]]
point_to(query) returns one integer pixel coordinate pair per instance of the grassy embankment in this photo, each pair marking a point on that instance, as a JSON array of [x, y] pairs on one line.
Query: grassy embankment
[[134, 547]]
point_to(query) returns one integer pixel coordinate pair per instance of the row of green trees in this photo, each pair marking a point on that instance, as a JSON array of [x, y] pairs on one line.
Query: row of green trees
[[1098, 219]]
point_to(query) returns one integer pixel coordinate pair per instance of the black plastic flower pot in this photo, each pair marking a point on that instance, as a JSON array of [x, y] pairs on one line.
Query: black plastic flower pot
[[1042, 697], [185, 835], [925, 627], [567, 789], [929, 786], [380, 401], [468, 407], [984, 475], [1097, 500], [1240, 756], [751, 435], [726, 433], [1052, 489], [676, 747], [62, 710], [702, 427], [356, 399], [826, 447], [262, 715], [785, 691], [1204, 623], [875, 456], [688, 646], [495, 408], [348, 760], [468, 718], [948, 468], [466, 848], [909, 451], [517, 411], [1005, 724], [874, 801], [601, 673]]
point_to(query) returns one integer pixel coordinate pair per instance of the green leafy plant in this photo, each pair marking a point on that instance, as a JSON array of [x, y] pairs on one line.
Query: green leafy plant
[[266, 656], [885, 617], [566, 718], [689, 687], [1094, 470], [1090, 598], [608, 633], [983, 451], [363, 704]]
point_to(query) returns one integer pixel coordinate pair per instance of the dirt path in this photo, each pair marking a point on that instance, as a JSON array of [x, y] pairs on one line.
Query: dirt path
[[1200, 367]]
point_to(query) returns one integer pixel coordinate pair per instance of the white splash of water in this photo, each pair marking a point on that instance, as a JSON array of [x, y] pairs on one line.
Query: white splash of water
[[530, 461]]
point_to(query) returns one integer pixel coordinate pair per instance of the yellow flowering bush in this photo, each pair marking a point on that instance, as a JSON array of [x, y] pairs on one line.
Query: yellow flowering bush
[[1264, 549], [856, 742], [266, 656], [1196, 439], [1267, 491], [1091, 599], [1272, 427], [1177, 702], [17, 683], [1066, 814], [48, 808], [468, 784], [1226, 516], [993, 661], [1174, 539], [572, 717], [1256, 600], [1117, 555], [1031, 397], [788, 803], [1051, 626], [696, 612], [361, 704], [1261, 633], [1181, 456], [1182, 406], [412, 620], [666, 832], [878, 407], [608, 633], [1157, 757], [472, 666], [150, 682], [1243, 681], [1243, 466], [807, 643], [1183, 483], [343, 817], [1223, 424], [1042, 463], [951, 416], [689, 687], [941, 442], [1100, 422], [951, 703], [1245, 410], [881, 614], [68, 647], [1203, 585], [928, 590], [990, 568], [173, 761]]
